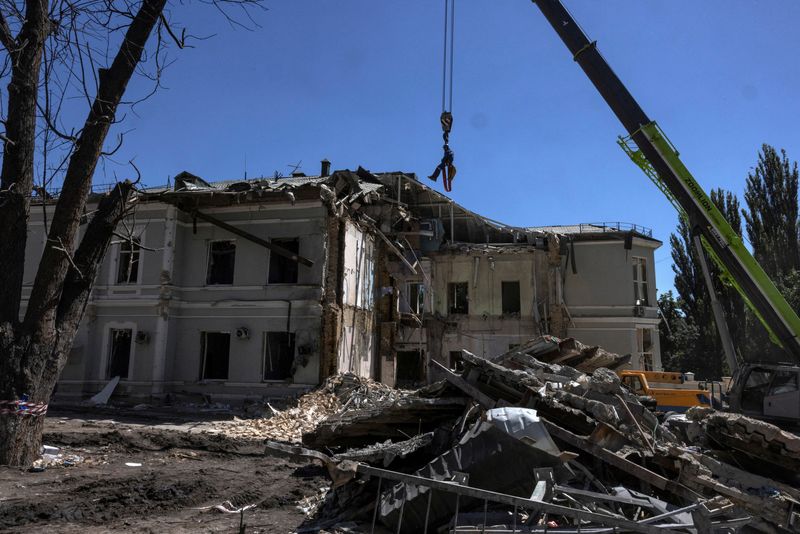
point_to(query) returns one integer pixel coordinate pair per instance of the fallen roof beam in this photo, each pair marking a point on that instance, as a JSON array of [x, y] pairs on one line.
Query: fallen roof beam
[[456, 380], [627, 466], [250, 237]]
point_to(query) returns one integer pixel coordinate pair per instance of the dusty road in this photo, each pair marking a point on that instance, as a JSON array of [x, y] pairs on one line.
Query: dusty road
[[183, 469]]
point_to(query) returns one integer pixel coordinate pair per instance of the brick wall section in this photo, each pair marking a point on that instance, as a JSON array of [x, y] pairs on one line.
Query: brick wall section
[[331, 298]]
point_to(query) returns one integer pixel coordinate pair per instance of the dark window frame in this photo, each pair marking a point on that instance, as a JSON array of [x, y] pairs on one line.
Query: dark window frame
[[282, 270], [111, 370], [204, 363], [130, 255], [210, 265], [511, 306], [291, 348]]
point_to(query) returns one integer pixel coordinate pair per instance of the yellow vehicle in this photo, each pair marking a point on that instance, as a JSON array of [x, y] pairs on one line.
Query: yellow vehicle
[[678, 396]]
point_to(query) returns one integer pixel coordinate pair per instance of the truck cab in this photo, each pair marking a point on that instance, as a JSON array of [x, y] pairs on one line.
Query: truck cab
[[767, 391]]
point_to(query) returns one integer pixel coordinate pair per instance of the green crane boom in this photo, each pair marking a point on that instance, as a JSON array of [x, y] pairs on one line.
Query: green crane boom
[[651, 150]]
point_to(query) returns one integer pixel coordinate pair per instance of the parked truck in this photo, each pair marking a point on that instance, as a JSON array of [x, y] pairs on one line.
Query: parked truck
[[671, 391]]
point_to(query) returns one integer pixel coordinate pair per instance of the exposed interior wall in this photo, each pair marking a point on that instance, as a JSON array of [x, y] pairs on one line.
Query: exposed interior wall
[[358, 301]]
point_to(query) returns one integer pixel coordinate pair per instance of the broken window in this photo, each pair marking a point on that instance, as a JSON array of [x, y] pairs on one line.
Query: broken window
[[128, 262], [221, 260], [283, 270], [640, 281], [456, 360], [216, 348], [278, 355], [416, 297], [511, 299], [644, 338], [119, 353], [457, 298]]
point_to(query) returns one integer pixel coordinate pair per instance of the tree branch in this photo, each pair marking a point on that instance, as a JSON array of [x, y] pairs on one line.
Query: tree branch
[[81, 277], [6, 39], [113, 81]]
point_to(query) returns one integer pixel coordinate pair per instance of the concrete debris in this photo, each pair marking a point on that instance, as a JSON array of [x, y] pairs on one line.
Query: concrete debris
[[287, 425], [761, 441], [584, 358], [518, 444], [346, 403]]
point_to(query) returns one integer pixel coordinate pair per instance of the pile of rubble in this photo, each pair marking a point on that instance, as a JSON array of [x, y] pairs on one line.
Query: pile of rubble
[[338, 396], [517, 444]]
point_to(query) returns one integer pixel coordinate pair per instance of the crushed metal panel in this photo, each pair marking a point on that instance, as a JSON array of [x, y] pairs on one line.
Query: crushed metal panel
[[483, 453]]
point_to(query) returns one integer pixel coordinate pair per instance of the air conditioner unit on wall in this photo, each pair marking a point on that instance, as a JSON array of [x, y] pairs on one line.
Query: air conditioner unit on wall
[[242, 333]]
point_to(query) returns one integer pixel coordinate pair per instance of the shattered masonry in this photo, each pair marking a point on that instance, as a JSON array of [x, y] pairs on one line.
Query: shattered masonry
[[521, 444], [265, 287]]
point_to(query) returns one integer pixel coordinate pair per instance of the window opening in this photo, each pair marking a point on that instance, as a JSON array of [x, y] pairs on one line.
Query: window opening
[[409, 370], [128, 262], [645, 345], [119, 354], [457, 298], [640, 281], [278, 355], [282, 270], [416, 297], [221, 261], [511, 300], [216, 354]]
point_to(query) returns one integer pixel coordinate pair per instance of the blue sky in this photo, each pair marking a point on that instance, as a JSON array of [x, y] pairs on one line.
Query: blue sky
[[359, 82]]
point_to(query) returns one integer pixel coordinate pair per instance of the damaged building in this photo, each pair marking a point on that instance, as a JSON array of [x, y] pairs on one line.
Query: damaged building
[[264, 287]]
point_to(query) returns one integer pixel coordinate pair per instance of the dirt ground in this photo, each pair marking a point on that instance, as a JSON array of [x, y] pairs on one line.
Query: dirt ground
[[183, 469]]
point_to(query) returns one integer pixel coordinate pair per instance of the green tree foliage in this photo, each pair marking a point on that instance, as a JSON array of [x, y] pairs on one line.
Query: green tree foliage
[[678, 336], [771, 222], [771, 215]]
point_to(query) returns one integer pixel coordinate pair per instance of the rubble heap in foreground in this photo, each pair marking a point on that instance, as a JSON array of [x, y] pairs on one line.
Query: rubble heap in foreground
[[519, 445]]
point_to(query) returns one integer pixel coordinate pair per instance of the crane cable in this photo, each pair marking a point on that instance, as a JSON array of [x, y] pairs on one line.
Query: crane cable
[[446, 167]]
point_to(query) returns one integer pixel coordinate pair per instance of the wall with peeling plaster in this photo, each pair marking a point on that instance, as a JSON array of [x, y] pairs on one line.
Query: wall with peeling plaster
[[357, 325]]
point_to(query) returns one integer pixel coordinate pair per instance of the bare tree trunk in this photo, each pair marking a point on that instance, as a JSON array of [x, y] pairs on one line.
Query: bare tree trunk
[[16, 177], [33, 354]]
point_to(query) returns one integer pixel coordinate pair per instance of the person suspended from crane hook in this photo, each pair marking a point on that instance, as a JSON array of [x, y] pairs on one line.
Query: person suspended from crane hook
[[446, 167]]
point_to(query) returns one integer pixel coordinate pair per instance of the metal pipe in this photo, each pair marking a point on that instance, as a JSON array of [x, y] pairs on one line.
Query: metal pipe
[[428, 510], [377, 504]]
